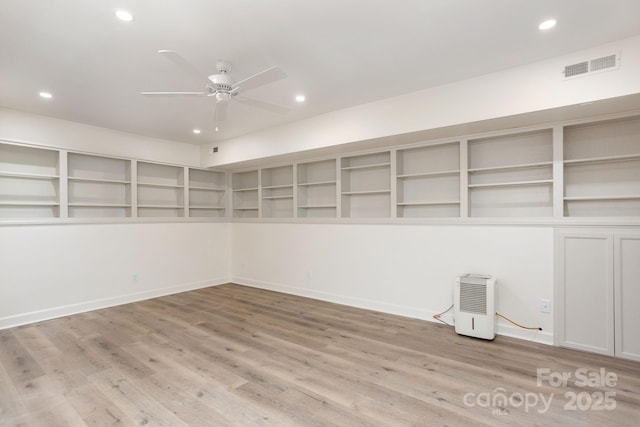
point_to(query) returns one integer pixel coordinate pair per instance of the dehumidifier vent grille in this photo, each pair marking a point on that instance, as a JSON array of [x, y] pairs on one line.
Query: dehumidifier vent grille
[[473, 298]]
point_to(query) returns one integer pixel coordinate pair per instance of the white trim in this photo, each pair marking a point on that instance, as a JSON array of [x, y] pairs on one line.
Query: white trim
[[82, 307], [542, 337]]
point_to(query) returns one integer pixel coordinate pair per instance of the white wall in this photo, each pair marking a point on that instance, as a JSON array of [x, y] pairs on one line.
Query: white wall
[[53, 270], [403, 269], [534, 87], [48, 271], [47, 131]]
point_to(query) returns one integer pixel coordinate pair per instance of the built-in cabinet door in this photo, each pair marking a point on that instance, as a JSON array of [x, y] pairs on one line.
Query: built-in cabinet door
[[584, 313], [627, 293], [597, 275]]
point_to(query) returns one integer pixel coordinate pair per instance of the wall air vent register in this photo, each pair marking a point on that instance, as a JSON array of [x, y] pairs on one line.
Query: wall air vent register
[[609, 62]]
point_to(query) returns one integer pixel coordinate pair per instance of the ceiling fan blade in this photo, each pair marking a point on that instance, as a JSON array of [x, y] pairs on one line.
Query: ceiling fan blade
[[261, 104], [220, 113], [175, 57], [174, 93], [267, 76]]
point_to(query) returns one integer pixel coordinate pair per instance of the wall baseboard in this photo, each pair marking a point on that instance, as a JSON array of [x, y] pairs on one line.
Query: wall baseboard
[[541, 337], [83, 307]]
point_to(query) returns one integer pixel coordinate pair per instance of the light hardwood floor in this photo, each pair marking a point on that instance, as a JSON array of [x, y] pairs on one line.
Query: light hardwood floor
[[237, 356]]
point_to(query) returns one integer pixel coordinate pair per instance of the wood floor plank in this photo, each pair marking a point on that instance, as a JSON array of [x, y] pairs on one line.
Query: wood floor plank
[[135, 403], [240, 356], [95, 408], [20, 366], [11, 406]]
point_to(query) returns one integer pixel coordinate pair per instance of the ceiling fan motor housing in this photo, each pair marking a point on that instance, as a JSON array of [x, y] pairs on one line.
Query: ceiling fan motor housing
[[221, 82]]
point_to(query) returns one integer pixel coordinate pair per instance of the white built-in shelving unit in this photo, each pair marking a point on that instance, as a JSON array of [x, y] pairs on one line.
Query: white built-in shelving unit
[[602, 169], [583, 169], [207, 190], [277, 192], [316, 182], [428, 181], [246, 189], [44, 184], [511, 175], [29, 182], [98, 186], [366, 185]]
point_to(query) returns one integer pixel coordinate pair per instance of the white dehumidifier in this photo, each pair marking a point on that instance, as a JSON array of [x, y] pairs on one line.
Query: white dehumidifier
[[474, 306]]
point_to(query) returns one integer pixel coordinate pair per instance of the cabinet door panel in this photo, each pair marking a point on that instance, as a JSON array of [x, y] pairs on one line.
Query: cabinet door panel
[[627, 293], [585, 291]]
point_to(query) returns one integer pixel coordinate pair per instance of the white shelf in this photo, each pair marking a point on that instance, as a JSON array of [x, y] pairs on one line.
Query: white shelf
[[26, 203], [28, 175], [364, 167], [430, 203], [253, 208], [358, 193], [590, 198], [274, 187], [429, 174], [276, 197], [511, 167], [513, 184], [100, 205], [317, 206], [161, 206], [313, 184], [151, 184], [604, 159], [98, 180], [215, 190], [239, 190], [206, 207]]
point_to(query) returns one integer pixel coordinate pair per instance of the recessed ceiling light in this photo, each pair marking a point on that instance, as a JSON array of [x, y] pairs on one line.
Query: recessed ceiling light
[[46, 95], [300, 98], [217, 129], [196, 131], [548, 24], [123, 15]]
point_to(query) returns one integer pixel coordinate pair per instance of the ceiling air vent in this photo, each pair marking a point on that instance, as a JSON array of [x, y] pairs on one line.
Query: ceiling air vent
[[586, 67]]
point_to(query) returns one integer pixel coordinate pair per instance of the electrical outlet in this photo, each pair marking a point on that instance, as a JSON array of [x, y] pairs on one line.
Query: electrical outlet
[[545, 306]]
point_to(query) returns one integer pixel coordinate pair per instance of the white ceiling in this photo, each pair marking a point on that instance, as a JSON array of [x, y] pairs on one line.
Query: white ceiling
[[339, 53]]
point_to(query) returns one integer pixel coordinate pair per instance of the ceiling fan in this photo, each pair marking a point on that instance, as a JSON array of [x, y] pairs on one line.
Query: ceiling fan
[[222, 87]]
